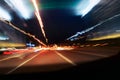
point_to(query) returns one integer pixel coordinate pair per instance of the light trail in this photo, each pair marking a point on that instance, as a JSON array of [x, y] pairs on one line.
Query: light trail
[[8, 44], [21, 7], [5, 14], [91, 28], [85, 6], [22, 31], [39, 19], [110, 36]]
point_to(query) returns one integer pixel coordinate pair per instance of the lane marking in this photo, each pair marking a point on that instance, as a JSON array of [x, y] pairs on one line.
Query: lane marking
[[6, 58], [12, 56], [65, 58], [94, 54], [22, 64], [16, 55], [90, 53]]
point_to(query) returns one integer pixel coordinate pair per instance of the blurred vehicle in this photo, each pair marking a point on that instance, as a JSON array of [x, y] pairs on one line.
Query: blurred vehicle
[[8, 50]]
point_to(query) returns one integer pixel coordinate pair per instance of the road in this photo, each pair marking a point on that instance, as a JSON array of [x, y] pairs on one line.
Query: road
[[29, 61]]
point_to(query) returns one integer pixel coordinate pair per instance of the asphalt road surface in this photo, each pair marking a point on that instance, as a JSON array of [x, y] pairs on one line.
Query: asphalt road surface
[[31, 61]]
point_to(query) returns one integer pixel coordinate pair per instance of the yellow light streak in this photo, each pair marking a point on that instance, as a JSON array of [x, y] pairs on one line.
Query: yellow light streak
[[111, 36], [8, 44]]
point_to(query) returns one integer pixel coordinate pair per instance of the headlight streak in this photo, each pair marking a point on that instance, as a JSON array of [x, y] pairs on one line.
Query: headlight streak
[[89, 29], [86, 8], [39, 19], [4, 14], [22, 8], [4, 38], [110, 36], [22, 31], [8, 44]]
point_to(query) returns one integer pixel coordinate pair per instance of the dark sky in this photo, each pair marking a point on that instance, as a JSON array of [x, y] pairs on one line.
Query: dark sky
[[59, 21], [59, 24]]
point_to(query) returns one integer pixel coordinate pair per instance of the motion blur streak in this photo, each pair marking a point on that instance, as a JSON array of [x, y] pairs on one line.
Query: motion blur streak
[[4, 14], [8, 44], [111, 36], [39, 18], [4, 38], [28, 34], [84, 10], [59, 48], [80, 33], [64, 48], [21, 6], [89, 29]]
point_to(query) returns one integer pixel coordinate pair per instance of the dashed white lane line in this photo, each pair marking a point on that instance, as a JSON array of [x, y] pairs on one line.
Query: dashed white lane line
[[90, 53], [99, 55], [65, 58], [12, 56], [22, 64]]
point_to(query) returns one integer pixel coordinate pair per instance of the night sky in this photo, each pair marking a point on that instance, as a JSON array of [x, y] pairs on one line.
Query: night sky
[[59, 20]]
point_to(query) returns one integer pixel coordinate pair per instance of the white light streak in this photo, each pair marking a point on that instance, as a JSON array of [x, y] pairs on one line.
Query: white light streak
[[22, 7], [22, 31], [80, 33], [84, 7], [4, 38], [72, 38], [4, 14], [39, 19]]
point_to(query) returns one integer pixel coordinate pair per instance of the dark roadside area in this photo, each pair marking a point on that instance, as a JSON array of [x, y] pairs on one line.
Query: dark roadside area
[[99, 69]]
